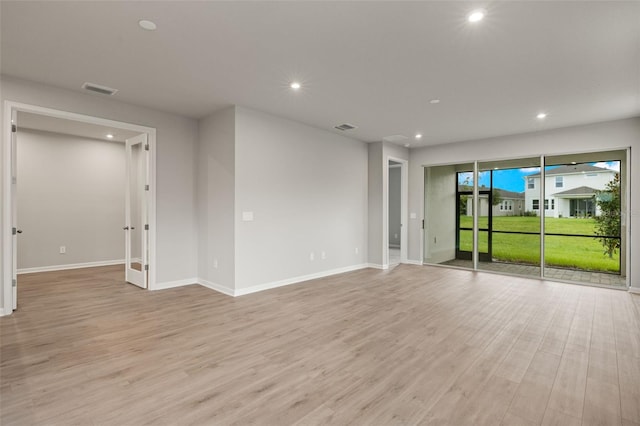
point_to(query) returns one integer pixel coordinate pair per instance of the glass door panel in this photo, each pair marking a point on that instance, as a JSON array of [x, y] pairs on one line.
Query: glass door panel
[[584, 198], [512, 224]]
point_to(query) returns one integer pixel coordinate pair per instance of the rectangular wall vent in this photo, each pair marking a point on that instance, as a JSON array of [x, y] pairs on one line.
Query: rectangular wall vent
[[345, 126], [103, 90]]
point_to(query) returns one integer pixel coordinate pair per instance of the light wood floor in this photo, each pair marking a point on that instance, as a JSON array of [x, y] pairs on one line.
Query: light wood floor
[[414, 345]]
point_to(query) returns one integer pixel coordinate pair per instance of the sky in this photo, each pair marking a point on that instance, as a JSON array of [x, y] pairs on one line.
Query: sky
[[513, 179]]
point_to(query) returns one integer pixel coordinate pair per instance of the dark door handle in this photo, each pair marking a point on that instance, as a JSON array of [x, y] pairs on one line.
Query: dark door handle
[[19, 231], [126, 228]]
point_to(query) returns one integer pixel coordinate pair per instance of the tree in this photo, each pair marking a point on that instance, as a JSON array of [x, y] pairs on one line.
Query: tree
[[495, 197], [608, 222]]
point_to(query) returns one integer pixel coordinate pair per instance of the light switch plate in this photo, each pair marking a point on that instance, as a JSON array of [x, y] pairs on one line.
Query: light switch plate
[[247, 216], [413, 216]]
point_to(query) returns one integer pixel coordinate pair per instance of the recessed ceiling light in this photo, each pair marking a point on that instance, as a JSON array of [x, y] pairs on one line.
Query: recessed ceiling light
[[475, 16], [434, 101], [418, 136], [407, 145], [541, 116], [295, 85], [145, 24], [109, 136], [573, 162]]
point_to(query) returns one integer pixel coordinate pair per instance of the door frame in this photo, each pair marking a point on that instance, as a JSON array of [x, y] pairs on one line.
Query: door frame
[[10, 108], [404, 210]]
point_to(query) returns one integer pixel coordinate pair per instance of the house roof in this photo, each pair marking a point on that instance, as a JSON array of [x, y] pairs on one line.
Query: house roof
[[510, 194], [572, 168], [502, 192], [581, 190]]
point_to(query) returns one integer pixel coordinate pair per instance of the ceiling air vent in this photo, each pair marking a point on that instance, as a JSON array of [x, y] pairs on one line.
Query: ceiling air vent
[[103, 90], [345, 126]]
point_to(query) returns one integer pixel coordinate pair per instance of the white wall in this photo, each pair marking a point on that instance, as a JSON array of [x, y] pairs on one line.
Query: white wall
[[216, 199], [176, 141], [307, 190], [70, 193], [395, 198], [440, 216], [593, 137], [375, 190]]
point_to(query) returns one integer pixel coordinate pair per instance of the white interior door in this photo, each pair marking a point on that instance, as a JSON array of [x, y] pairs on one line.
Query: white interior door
[[136, 211], [14, 209]]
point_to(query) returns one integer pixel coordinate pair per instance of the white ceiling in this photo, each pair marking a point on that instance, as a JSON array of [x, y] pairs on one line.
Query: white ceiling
[[375, 65], [28, 120]]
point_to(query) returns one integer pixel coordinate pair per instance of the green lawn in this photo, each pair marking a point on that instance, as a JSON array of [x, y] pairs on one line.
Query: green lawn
[[573, 252]]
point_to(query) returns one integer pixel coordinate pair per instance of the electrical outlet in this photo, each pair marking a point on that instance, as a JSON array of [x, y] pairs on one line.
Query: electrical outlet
[[357, 250], [312, 256], [323, 255], [63, 250], [215, 263]]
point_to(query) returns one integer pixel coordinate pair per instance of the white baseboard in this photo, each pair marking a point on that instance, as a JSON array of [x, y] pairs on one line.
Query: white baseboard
[[635, 290], [2, 312], [70, 266], [295, 280], [217, 287], [174, 284], [394, 245], [413, 262], [376, 266]]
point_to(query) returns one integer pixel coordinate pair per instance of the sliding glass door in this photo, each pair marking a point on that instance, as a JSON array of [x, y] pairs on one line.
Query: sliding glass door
[[559, 217]]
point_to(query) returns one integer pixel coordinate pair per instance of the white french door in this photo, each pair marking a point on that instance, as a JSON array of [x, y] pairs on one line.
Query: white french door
[[14, 207], [136, 211]]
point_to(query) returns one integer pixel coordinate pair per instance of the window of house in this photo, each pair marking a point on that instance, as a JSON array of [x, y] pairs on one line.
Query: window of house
[[559, 181], [546, 204], [530, 183], [553, 204], [536, 205]]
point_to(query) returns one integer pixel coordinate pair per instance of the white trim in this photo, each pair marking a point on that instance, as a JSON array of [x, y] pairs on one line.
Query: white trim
[[414, 262], [7, 252], [634, 290], [295, 280], [70, 266], [174, 284], [375, 266], [217, 287], [2, 312]]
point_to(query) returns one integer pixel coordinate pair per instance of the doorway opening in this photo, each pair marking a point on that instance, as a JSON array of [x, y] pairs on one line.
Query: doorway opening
[[395, 234], [62, 218]]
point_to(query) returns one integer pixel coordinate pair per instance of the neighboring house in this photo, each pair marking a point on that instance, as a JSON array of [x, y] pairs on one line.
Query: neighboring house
[[511, 203], [570, 191]]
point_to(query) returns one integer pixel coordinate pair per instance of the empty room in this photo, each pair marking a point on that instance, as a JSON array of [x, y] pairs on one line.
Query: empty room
[[305, 213]]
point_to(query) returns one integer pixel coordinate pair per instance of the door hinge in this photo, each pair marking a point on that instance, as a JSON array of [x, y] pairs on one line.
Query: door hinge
[[146, 227], [422, 223], [146, 267], [146, 147], [146, 187], [14, 128], [14, 283], [14, 231]]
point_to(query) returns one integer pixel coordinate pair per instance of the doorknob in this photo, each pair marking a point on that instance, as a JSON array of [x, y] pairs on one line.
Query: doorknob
[[126, 228], [19, 231]]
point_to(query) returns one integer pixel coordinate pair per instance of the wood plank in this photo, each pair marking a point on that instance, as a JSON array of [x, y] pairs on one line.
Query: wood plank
[[406, 346]]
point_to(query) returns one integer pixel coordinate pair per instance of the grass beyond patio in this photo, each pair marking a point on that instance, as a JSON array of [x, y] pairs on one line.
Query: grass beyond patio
[[565, 252]]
